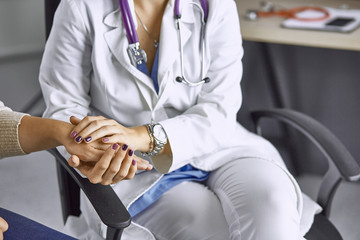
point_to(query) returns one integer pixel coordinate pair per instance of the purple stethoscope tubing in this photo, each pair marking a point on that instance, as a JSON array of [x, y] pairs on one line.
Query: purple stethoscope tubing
[[128, 20], [138, 55]]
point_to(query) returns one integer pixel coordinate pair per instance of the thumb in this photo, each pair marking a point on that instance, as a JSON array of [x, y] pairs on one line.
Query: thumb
[[74, 120], [74, 161]]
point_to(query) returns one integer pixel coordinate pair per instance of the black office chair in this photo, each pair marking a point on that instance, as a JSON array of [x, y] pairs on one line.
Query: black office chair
[[112, 212], [106, 203]]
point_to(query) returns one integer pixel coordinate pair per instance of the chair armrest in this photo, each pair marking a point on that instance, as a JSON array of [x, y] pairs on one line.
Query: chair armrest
[[106, 203], [326, 141], [341, 164]]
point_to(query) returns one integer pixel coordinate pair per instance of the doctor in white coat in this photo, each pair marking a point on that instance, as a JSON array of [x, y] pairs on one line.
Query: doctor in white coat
[[244, 192]]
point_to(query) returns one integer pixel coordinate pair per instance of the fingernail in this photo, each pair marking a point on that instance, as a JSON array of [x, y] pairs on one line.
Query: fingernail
[[105, 139], [115, 146], [73, 134], [88, 139], [133, 162], [131, 152], [124, 147], [72, 160], [78, 139]]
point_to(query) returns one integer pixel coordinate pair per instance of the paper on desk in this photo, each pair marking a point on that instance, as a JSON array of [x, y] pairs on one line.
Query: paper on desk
[[322, 24]]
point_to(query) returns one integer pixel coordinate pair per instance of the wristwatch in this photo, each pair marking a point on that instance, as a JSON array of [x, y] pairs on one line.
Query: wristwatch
[[158, 139]]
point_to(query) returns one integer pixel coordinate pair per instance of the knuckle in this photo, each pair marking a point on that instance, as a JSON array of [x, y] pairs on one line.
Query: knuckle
[[113, 170], [106, 182], [97, 123], [94, 180], [106, 128], [130, 176], [102, 167], [122, 174]]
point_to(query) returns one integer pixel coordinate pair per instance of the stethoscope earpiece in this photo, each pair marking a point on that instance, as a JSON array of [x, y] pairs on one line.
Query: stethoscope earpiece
[[206, 80], [179, 79], [191, 84]]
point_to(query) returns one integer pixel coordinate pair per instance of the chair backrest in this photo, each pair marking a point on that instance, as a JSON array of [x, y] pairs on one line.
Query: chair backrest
[[69, 193], [69, 190], [50, 8], [244, 117]]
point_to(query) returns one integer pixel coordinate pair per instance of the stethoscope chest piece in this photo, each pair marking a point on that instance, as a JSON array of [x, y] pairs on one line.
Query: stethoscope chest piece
[[136, 54]]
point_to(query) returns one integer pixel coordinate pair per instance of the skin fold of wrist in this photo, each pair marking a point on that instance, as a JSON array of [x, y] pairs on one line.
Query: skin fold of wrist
[[142, 138], [62, 132]]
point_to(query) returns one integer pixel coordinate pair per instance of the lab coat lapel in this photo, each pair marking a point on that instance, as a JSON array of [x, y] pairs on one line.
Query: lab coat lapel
[[118, 43]]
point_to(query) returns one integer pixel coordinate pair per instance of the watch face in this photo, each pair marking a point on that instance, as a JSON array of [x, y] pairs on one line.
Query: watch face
[[159, 133]]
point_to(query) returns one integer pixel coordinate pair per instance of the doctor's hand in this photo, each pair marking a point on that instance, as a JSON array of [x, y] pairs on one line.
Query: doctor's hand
[[116, 164], [3, 227], [92, 128]]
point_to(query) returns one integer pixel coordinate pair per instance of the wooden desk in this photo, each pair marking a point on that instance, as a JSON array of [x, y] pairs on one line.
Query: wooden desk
[[269, 29]]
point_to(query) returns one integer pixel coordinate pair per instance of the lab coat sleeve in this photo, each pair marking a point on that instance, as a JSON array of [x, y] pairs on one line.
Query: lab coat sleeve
[[209, 125], [65, 69]]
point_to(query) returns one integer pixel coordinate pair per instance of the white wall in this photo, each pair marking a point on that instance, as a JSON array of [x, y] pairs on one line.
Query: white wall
[[22, 38], [22, 184]]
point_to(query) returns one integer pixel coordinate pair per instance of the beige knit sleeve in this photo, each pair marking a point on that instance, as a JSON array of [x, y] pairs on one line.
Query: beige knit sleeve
[[9, 141]]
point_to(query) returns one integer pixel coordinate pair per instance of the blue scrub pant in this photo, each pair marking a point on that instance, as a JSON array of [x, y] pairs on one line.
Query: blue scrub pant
[[21, 228]]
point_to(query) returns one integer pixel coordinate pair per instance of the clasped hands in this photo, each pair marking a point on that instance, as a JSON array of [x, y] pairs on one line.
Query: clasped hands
[[103, 150]]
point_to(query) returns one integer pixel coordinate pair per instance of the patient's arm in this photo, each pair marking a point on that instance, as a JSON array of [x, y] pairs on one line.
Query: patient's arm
[[100, 162], [36, 134]]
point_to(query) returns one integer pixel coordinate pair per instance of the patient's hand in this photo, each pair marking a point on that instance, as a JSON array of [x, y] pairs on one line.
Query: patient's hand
[[86, 152], [90, 152], [3, 227], [116, 164]]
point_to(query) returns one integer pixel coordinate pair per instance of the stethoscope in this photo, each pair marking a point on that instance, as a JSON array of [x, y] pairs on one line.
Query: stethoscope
[[138, 56], [268, 9]]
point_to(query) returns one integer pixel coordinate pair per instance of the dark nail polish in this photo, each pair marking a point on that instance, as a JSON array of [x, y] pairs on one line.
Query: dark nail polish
[[134, 162], [124, 147], [78, 139], [73, 134], [131, 152], [88, 139], [115, 146]]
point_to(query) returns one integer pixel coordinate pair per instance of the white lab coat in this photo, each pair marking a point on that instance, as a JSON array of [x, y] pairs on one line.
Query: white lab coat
[[86, 70]]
